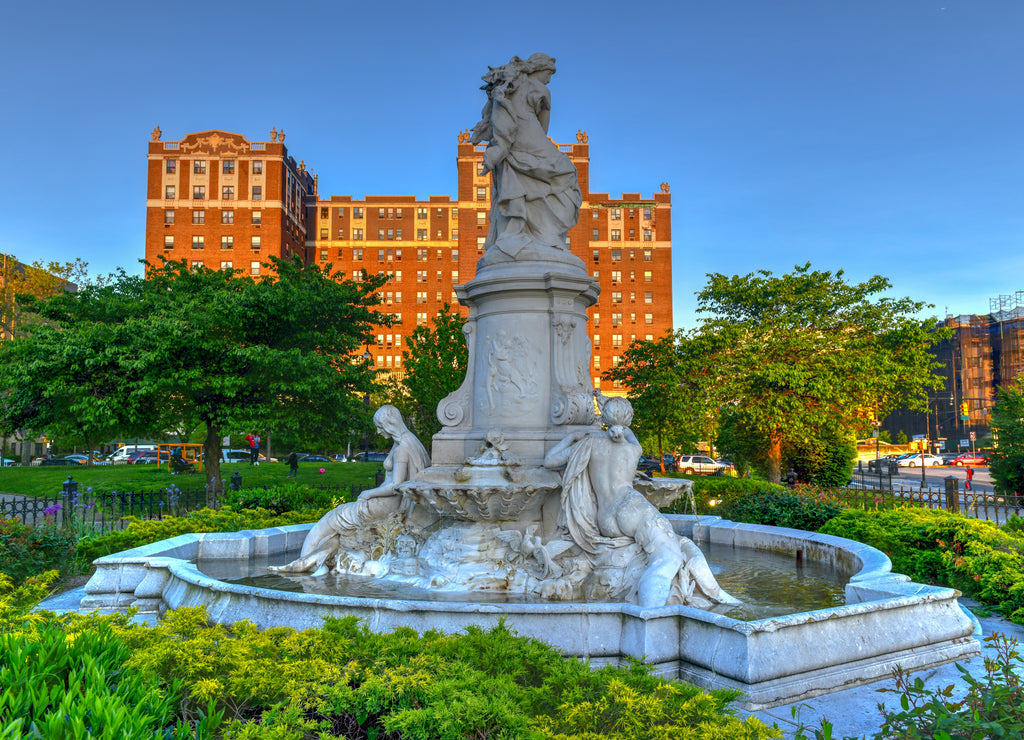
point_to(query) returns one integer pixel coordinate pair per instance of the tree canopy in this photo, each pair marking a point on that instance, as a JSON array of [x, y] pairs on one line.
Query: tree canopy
[[1007, 461], [434, 364], [189, 346], [808, 352]]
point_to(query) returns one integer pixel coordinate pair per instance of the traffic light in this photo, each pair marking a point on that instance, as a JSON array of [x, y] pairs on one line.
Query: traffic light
[[964, 409]]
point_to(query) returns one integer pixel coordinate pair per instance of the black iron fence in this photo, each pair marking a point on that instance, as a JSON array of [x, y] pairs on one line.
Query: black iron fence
[[104, 512], [977, 503]]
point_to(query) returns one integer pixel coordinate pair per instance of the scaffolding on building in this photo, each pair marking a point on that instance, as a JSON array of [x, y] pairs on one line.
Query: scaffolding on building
[[1007, 315]]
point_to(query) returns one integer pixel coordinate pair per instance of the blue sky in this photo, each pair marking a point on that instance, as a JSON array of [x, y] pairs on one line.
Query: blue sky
[[874, 136]]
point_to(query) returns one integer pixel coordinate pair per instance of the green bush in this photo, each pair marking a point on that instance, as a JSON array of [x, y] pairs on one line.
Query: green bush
[[28, 551], [226, 519], [800, 509], [285, 497], [935, 546], [710, 491], [346, 681]]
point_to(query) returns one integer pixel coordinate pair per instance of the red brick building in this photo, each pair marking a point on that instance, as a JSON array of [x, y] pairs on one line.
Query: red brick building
[[428, 246], [214, 198]]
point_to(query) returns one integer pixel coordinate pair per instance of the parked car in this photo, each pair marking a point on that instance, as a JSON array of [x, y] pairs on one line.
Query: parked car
[[315, 459], [970, 458], [648, 464], [144, 457], [702, 464], [241, 456], [883, 463], [339, 457], [57, 461], [917, 460], [377, 457], [7, 462]]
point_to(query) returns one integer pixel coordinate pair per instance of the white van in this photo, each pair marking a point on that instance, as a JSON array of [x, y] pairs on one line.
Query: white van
[[123, 453]]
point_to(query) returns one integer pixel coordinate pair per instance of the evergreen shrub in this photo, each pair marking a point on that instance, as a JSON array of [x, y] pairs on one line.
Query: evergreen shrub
[[27, 550]]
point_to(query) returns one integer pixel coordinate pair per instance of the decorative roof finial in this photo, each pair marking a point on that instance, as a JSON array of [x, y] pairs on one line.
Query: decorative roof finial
[[157, 133], [664, 187], [280, 136], [273, 134]]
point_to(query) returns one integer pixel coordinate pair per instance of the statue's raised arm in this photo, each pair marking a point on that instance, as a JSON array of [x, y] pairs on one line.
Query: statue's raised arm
[[536, 197]]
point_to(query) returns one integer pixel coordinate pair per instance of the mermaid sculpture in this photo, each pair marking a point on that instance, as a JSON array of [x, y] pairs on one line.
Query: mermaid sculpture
[[329, 535]]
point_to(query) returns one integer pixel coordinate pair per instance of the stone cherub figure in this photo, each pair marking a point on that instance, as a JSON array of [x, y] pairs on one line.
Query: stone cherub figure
[[406, 459], [536, 198], [602, 511]]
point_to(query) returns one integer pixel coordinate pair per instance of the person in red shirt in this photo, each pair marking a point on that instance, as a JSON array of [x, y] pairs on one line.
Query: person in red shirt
[[970, 477]]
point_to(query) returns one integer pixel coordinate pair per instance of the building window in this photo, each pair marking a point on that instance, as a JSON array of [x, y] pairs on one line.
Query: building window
[[617, 214], [197, 264], [227, 192], [254, 268], [616, 276], [616, 341], [257, 192], [421, 213], [398, 235], [168, 242], [398, 212], [341, 253], [391, 235], [648, 276], [226, 265], [597, 319], [421, 235], [198, 192], [357, 212], [199, 217], [632, 235], [648, 318], [169, 217], [647, 235], [455, 255], [380, 255], [325, 233], [256, 243], [616, 319], [227, 242], [421, 319], [648, 256], [323, 255], [257, 167], [616, 235], [648, 297], [357, 254], [341, 211], [357, 234], [380, 235], [617, 297], [198, 241], [169, 192], [421, 255], [381, 212], [480, 241], [199, 167], [597, 362], [647, 212], [421, 276], [481, 193], [421, 296], [481, 218], [593, 213], [325, 212], [227, 217], [228, 166], [596, 236], [341, 233], [172, 166], [455, 235], [616, 255]]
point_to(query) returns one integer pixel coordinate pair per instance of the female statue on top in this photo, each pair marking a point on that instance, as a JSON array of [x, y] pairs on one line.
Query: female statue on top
[[536, 198]]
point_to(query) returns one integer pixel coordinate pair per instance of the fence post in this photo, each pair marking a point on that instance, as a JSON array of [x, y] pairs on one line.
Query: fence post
[[952, 494]]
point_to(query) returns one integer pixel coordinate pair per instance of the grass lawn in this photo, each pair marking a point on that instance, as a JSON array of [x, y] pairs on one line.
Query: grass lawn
[[47, 481]]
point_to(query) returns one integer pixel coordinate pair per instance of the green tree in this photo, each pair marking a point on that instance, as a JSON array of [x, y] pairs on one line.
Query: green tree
[[1007, 459], [808, 351], [207, 347], [434, 364], [22, 284], [902, 438], [884, 436], [660, 378]]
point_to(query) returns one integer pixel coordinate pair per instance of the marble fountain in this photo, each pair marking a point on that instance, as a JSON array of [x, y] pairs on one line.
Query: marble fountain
[[527, 509]]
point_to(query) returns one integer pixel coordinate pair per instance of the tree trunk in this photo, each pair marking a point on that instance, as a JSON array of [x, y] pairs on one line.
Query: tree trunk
[[775, 457], [88, 451], [211, 464]]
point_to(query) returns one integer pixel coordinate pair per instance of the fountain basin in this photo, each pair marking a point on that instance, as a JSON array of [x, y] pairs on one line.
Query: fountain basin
[[887, 619]]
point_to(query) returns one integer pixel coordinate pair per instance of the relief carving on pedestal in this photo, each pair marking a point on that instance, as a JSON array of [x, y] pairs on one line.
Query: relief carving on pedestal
[[509, 380], [454, 409], [572, 397]]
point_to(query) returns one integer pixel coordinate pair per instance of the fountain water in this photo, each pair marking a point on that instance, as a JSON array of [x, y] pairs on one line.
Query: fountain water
[[529, 494]]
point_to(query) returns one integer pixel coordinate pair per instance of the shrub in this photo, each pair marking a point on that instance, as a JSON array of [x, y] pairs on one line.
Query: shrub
[[935, 546], [226, 519], [709, 492], [778, 507], [27, 551], [282, 498], [346, 681]]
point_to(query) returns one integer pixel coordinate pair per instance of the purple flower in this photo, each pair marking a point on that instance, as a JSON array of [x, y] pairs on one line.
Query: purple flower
[[51, 510]]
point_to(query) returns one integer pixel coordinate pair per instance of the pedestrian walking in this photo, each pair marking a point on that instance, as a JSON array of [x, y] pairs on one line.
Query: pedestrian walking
[[256, 450], [970, 477], [251, 441], [293, 465]]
